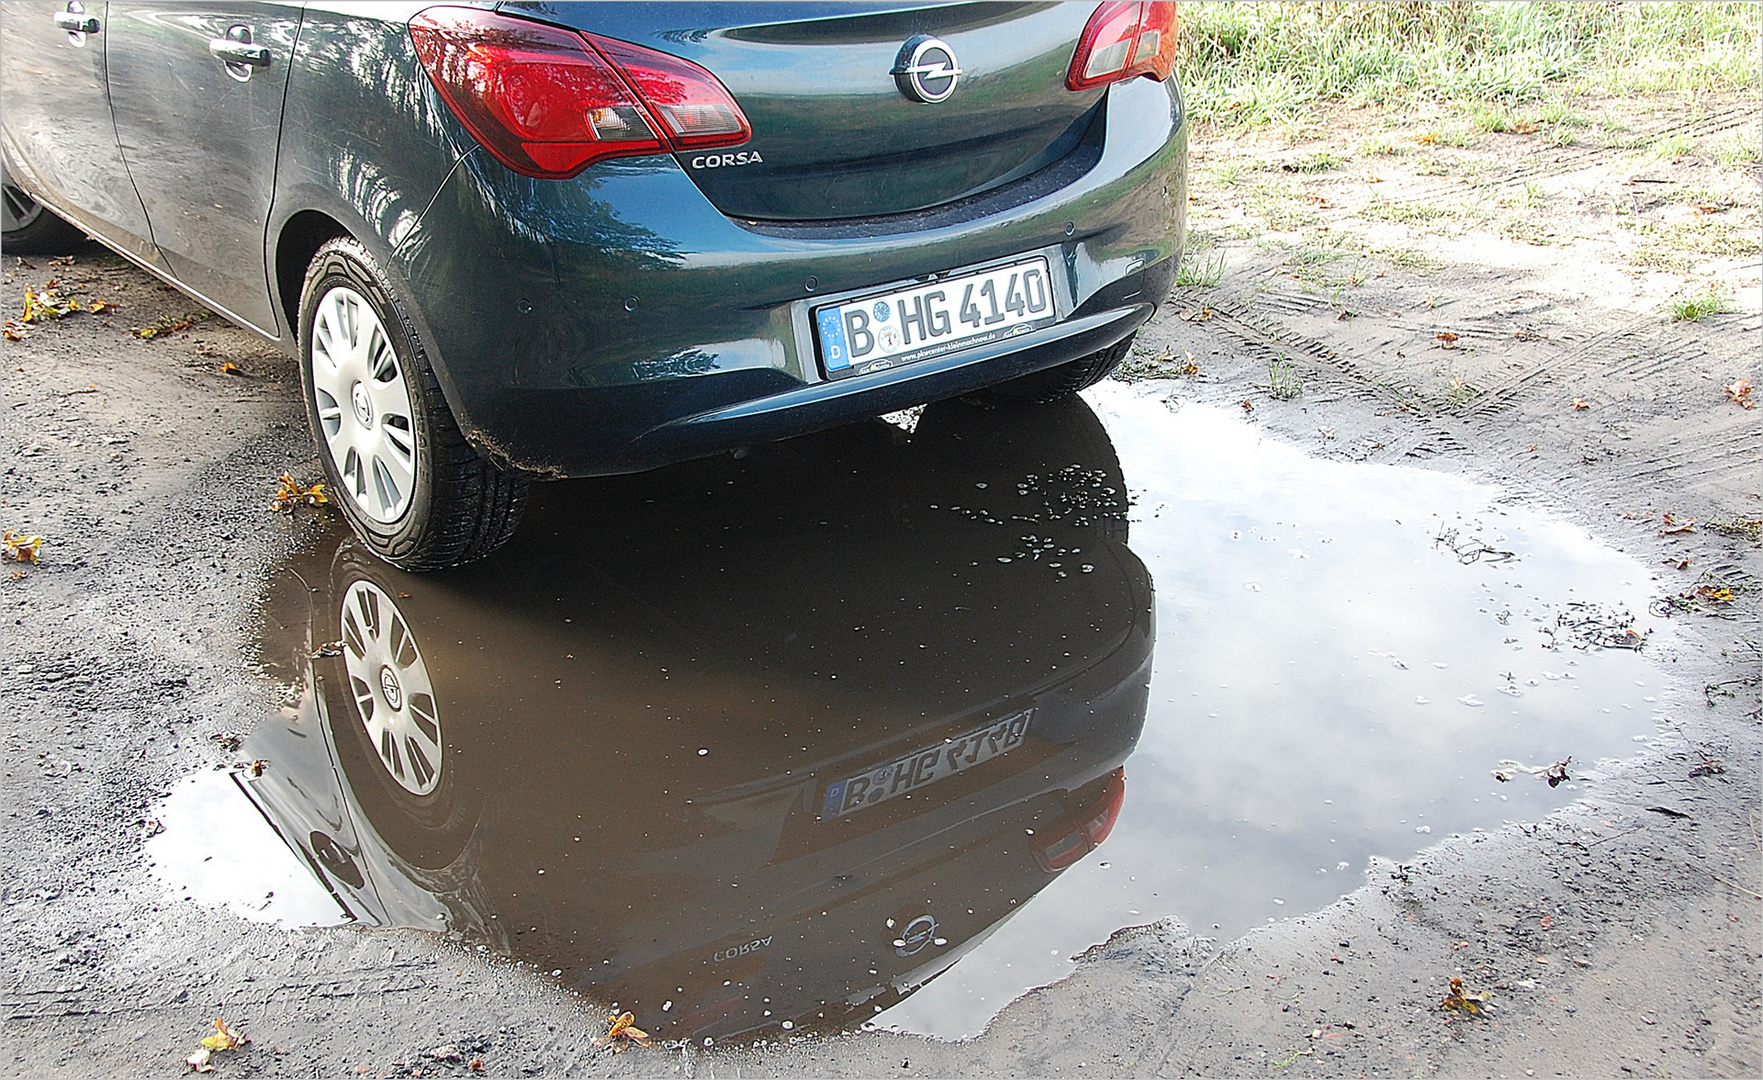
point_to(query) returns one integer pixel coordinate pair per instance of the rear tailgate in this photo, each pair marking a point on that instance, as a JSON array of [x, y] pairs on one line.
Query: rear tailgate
[[834, 133]]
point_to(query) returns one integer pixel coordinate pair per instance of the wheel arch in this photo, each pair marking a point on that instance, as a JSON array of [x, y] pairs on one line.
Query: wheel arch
[[299, 240]]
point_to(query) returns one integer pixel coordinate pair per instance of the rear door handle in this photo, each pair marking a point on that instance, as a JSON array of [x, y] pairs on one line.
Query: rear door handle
[[239, 52], [76, 22]]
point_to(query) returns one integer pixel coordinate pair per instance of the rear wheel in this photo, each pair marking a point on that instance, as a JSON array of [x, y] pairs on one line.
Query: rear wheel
[[1066, 379], [28, 228], [415, 492]]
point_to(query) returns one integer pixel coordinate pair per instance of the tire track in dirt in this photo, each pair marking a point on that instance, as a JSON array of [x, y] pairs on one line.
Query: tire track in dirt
[[1268, 339], [1572, 158]]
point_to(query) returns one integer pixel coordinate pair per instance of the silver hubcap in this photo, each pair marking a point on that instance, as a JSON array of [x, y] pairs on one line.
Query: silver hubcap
[[363, 405], [18, 209], [394, 698]]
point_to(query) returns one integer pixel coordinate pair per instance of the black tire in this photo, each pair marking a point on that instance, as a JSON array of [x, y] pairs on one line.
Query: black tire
[[1068, 378], [31, 228], [459, 506]]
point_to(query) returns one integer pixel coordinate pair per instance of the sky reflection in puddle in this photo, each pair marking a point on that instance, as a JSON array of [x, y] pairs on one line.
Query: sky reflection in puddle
[[674, 688], [1331, 683]]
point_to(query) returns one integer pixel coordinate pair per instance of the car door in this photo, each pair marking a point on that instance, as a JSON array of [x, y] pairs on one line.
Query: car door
[[59, 138], [197, 93]]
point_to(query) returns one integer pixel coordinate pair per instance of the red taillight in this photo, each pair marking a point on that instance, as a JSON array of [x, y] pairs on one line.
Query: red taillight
[[1082, 834], [548, 102], [1123, 40], [693, 107]]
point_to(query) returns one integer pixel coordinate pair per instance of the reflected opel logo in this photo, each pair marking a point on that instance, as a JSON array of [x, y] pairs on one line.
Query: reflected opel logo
[[926, 69], [918, 933]]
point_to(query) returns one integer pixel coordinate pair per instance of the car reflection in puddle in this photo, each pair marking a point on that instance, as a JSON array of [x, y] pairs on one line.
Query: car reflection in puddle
[[776, 739], [741, 746]]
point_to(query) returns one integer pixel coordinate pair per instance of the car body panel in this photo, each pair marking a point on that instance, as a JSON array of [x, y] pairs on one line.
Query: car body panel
[[60, 140], [835, 136], [200, 139], [576, 324]]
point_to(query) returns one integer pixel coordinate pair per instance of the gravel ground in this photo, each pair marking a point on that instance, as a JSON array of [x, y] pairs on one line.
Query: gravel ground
[[1620, 935]]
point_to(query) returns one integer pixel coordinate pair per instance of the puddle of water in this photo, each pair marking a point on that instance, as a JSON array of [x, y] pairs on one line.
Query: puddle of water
[[1345, 655], [769, 744], [215, 848]]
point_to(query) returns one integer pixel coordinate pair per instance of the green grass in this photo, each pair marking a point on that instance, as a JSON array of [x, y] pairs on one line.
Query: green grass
[[1320, 161], [1459, 392], [1738, 150], [1673, 147], [1227, 173], [1200, 271], [1256, 63], [1695, 308], [1405, 213], [1282, 380], [1380, 146]]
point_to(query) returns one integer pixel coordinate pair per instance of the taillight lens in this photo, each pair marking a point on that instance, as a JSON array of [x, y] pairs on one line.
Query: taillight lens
[[548, 103], [1072, 840], [1124, 40], [691, 104]]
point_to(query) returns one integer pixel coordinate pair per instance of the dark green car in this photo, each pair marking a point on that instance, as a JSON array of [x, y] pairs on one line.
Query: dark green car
[[556, 240]]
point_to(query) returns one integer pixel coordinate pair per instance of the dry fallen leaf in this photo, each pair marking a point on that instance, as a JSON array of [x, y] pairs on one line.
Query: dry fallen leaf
[[1673, 525], [1472, 1002], [622, 1033], [20, 548], [1427, 139], [224, 1038], [1740, 392], [1581, 404], [291, 494], [1523, 127]]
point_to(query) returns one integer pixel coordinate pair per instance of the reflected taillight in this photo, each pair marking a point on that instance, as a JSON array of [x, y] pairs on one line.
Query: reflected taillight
[[1078, 836], [548, 102], [1124, 40]]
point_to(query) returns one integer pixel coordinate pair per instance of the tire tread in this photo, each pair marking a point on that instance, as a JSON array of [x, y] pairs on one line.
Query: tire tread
[[474, 506]]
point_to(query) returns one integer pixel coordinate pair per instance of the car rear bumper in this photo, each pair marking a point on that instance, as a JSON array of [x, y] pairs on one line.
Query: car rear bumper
[[617, 321]]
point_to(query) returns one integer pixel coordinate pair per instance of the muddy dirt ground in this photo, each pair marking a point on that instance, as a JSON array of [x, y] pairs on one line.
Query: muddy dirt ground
[[1488, 303]]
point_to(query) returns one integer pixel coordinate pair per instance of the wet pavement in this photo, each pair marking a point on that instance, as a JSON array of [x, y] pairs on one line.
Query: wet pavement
[[769, 743]]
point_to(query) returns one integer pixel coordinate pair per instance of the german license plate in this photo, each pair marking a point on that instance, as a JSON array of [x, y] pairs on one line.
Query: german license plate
[[861, 336], [924, 767]]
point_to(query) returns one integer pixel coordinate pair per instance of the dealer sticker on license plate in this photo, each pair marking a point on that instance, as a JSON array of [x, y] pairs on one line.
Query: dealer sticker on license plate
[[926, 766], [861, 336]]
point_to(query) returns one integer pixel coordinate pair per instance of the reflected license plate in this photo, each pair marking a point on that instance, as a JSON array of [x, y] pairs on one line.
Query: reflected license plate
[[925, 767], [861, 336]]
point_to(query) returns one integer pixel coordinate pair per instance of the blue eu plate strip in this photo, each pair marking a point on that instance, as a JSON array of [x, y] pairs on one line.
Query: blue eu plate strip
[[834, 350]]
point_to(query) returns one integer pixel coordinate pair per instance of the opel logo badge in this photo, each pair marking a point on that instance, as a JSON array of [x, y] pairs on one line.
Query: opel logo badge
[[926, 69]]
